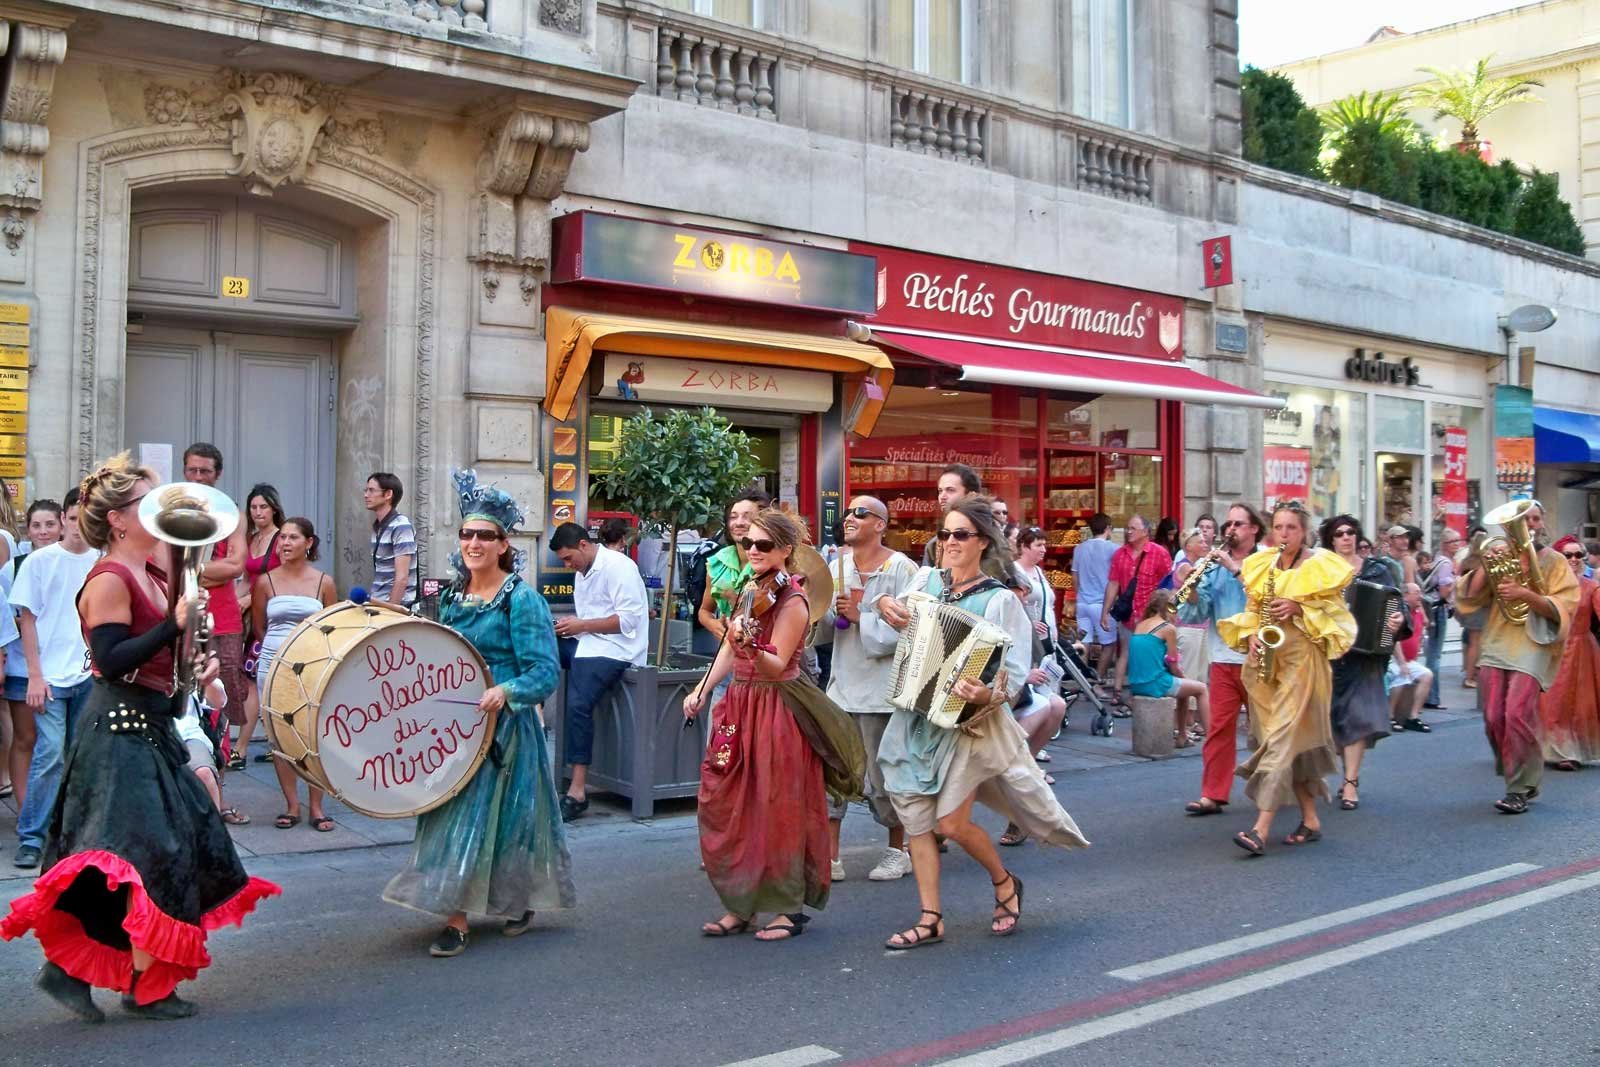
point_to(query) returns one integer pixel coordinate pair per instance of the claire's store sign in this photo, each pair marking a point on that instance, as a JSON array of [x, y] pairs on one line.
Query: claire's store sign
[[1362, 367], [956, 296], [614, 250]]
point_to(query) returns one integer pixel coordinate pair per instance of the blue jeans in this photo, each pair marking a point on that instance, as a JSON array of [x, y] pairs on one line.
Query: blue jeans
[[1436, 626], [588, 681], [54, 725]]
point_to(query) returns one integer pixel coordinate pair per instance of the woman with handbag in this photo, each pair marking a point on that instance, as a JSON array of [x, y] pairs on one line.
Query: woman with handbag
[[266, 518], [1137, 568]]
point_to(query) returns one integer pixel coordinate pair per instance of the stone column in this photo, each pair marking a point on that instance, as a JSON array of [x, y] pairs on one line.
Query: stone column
[[523, 168], [31, 54]]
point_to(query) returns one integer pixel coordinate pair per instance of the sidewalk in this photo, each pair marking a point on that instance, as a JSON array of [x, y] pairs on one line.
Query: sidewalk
[[255, 792]]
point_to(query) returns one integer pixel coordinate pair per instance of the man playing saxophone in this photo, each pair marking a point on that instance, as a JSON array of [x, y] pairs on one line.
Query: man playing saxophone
[[1531, 595]]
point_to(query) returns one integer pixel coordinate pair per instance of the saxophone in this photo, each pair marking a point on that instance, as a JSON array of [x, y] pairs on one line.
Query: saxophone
[[1268, 632]]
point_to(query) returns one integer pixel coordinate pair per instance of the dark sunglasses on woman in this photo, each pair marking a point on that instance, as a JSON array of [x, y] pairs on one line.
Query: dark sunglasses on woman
[[959, 535], [763, 545], [481, 535]]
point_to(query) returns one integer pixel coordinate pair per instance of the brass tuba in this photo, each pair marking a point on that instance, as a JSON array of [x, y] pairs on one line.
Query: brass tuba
[[1512, 558], [190, 516]]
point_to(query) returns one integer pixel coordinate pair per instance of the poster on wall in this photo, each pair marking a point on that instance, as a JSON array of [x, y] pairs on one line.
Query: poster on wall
[[563, 447], [1513, 444], [1453, 498], [1287, 474]]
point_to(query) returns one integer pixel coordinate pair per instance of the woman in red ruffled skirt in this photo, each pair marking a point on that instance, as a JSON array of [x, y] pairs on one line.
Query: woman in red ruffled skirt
[[139, 865]]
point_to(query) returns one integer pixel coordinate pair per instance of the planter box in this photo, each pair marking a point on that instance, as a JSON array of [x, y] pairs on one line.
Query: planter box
[[641, 749]]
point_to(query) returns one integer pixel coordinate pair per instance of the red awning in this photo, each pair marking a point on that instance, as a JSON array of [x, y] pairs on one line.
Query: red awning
[[1072, 372]]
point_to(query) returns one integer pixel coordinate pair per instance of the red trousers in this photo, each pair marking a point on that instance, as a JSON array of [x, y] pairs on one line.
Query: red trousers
[[1221, 753], [1509, 701]]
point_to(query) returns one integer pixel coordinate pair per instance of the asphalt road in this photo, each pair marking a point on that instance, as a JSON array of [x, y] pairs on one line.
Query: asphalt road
[[1498, 968]]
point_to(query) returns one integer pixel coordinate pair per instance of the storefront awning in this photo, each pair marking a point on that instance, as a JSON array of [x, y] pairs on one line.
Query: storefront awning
[[1073, 372], [1561, 436], [571, 338]]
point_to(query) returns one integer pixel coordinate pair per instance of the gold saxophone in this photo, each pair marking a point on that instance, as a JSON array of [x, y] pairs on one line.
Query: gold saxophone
[[1191, 583], [1268, 632]]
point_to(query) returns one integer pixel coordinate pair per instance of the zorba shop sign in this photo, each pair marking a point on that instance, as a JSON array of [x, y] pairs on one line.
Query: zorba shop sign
[[944, 295], [614, 250], [690, 381]]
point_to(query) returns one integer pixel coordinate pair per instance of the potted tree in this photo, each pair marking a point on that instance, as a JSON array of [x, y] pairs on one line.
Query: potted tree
[[674, 472]]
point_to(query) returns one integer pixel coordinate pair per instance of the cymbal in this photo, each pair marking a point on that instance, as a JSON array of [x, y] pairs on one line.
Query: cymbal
[[807, 563]]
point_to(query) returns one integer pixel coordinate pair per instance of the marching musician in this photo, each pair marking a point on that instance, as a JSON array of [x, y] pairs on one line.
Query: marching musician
[[1360, 709], [1518, 660], [498, 847], [777, 746], [863, 652], [1296, 603], [139, 863], [1219, 594], [933, 774]]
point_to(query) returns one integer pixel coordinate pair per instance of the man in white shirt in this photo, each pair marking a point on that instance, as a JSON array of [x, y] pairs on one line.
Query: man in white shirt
[[45, 595], [612, 625], [863, 654]]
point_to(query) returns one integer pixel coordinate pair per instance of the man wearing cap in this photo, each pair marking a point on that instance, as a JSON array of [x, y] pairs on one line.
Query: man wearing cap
[[863, 652]]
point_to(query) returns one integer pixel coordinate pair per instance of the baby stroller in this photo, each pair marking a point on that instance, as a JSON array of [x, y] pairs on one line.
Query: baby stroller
[[1078, 684]]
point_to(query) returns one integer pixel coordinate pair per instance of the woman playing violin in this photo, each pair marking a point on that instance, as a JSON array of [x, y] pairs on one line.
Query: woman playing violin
[[763, 801]]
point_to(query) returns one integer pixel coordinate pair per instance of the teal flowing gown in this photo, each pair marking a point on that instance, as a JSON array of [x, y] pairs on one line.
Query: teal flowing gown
[[498, 848]]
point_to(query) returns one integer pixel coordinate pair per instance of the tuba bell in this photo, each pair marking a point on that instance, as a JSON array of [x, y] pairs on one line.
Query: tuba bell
[[190, 516], [1512, 557]]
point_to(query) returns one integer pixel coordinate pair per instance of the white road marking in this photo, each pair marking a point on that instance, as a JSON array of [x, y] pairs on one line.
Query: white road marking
[[795, 1057], [1223, 949], [1144, 1015]]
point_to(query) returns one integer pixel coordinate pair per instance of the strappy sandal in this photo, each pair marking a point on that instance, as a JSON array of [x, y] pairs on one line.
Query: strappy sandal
[[796, 927], [1512, 804], [1014, 914], [1251, 842], [1345, 803], [324, 825], [233, 817], [1303, 835], [906, 944], [1205, 806], [286, 821], [717, 929], [1014, 835]]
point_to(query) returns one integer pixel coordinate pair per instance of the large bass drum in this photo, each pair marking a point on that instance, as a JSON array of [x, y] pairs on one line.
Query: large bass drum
[[378, 707]]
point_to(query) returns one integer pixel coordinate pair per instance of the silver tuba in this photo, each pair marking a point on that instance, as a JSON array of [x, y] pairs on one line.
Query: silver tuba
[[190, 516]]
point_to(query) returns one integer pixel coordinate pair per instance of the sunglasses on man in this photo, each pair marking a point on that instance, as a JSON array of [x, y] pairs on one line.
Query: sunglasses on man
[[865, 513]]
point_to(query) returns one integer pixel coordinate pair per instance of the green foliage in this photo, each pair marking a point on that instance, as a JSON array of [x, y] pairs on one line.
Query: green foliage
[[679, 471], [1280, 131], [1470, 98], [1462, 186], [1375, 156], [1383, 110], [1541, 215]]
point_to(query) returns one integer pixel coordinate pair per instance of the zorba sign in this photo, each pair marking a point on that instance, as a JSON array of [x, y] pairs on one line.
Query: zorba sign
[[742, 385], [926, 292]]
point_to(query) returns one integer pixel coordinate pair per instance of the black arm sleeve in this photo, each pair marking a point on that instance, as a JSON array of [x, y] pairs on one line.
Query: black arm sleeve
[[117, 655]]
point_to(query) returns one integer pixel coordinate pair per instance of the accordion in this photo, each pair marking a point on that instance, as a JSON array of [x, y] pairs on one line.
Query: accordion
[[941, 645], [1372, 604]]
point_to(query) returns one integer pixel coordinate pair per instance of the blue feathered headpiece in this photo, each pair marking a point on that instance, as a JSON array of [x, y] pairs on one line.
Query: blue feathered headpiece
[[490, 503]]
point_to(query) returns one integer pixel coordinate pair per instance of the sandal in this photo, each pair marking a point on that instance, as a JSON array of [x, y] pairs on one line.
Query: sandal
[[1567, 765], [322, 825], [796, 927], [1417, 726], [1303, 835], [717, 929], [1469, 684], [1345, 803], [916, 939], [1512, 804], [1251, 842], [1014, 835], [1205, 806], [236, 761], [232, 817], [1041, 756], [1003, 912], [286, 821]]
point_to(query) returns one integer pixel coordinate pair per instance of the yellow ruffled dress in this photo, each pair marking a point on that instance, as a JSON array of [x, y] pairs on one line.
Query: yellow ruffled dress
[[1289, 715]]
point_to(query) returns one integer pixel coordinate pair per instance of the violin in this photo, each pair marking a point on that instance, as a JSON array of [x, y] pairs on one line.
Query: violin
[[760, 595]]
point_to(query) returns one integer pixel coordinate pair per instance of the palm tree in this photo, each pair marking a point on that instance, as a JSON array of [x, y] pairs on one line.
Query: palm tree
[[1384, 109], [1471, 98]]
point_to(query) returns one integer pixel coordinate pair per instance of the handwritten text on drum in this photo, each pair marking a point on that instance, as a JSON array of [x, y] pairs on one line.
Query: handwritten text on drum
[[407, 682]]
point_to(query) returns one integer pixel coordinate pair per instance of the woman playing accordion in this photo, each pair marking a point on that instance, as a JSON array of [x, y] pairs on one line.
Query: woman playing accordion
[[1294, 625], [932, 773]]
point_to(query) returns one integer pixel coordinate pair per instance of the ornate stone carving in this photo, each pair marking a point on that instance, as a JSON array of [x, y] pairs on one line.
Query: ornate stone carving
[[563, 15], [526, 158], [276, 122], [32, 54]]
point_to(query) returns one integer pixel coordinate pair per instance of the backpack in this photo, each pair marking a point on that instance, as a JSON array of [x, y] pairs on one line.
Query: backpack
[[694, 581]]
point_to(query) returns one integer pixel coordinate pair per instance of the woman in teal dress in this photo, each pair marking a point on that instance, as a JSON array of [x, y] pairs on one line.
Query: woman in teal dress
[[498, 848]]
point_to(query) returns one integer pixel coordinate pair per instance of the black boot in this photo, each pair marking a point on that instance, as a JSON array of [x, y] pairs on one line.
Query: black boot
[[69, 992], [168, 1007]]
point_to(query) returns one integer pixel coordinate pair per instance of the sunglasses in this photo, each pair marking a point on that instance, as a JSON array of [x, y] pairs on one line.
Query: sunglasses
[[750, 544], [959, 535], [866, 513], [1344, 531], [1573, 555], [481, 535]]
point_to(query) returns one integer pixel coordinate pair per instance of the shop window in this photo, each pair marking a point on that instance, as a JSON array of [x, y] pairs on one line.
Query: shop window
[[934, 37], [1102, 61], [741, 12], [1397, 424], [922, 430], [1457, 479], [1312, 450]]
